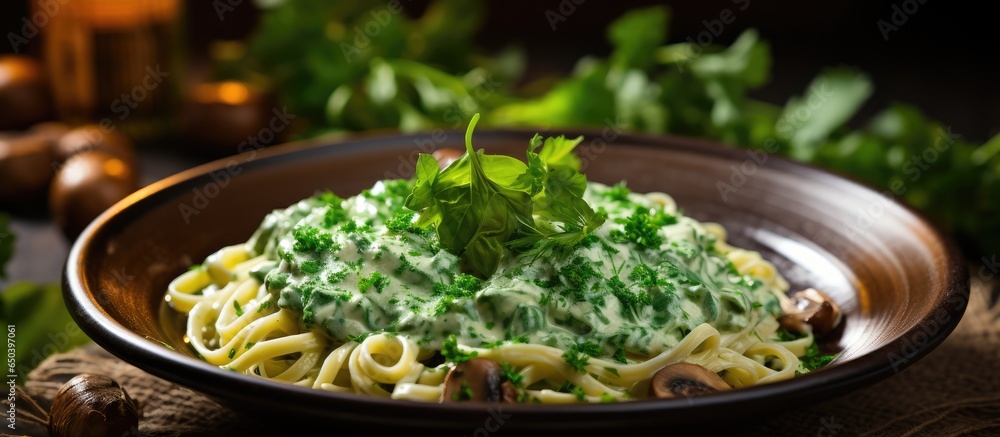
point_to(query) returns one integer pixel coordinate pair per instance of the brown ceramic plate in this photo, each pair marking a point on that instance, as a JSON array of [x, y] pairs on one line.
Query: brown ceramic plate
[[901, 284]]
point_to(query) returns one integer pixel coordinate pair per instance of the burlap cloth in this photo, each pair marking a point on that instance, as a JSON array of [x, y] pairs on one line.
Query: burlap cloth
[[955, 390]]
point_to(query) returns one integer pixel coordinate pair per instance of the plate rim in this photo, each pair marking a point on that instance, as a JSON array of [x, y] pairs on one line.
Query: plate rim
[[187, 371]]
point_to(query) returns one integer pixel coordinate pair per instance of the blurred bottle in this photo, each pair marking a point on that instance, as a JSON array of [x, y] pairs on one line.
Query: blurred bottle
[[116, 63]]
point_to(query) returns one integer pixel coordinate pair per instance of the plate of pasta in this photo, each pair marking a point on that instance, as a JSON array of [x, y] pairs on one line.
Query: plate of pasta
[[569, 279]]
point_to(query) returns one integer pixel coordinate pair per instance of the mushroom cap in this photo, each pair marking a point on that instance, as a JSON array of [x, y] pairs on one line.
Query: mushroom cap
[[810, 307], [89, 183], [478, 379], [26, 166], [92, 404], [685, 380]]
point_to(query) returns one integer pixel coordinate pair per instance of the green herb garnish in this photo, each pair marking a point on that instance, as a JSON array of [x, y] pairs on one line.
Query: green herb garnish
[[376, 279], [451, 352], [481, 204], [814, 359], [578, 355], [310, 239], [511, 374], [464, 392], [264, 305]]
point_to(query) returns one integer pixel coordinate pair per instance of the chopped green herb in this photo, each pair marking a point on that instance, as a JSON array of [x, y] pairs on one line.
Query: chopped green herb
[[645, 276], [814, 359], [640, 229], [511, 374], [239, 309], [785, 335], [631, 302], [232, 353], [310, 267], [402, 221], [618, 192], [358, 338], [451, 352], [464, 393], [578, 355], [309, 239], [464, 287], [619, 356], [263, 306], [376, 279]]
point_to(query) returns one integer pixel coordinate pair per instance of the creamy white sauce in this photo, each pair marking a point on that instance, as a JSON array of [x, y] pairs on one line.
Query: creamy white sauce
[[368, 279]]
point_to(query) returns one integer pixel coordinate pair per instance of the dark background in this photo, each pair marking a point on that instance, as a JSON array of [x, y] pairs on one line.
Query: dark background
[[943, 59]]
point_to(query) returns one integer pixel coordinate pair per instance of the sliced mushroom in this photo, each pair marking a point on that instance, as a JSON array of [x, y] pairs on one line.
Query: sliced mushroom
[[810, 307], [685, 380], [446, 156], [478, 379]]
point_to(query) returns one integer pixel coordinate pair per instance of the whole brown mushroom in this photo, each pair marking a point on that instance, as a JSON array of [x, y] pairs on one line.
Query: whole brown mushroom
[[478, 379], [685, 380], [93, 137], [26, 166], [95, 405], [24, 95], [87, 184]]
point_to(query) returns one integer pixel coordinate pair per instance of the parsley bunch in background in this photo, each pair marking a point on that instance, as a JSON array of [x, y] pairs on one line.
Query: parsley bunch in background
[[423, 72], [42, 324]]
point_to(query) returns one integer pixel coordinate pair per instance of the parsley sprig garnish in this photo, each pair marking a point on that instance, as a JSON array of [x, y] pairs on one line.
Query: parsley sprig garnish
[[482, 204], [578, 355]]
